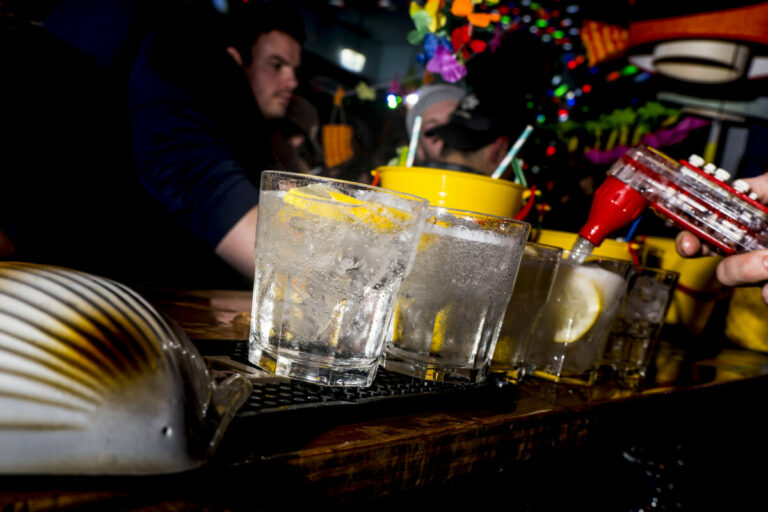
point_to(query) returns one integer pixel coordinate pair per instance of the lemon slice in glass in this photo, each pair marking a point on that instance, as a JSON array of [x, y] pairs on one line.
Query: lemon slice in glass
[[332, 204], [578, 308]]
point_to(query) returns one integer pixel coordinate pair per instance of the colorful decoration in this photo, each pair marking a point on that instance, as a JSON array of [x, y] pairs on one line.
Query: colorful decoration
[[338, 97], [433, 9], [446, 65], [337, 144], [465, 9], [603, 41], [662, 138], [433, 19], [466, 28], [431, 44], [365, 92], [606, 138], [394, 86], [422, 20]]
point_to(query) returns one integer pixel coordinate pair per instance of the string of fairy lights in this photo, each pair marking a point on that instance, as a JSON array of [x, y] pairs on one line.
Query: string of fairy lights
[[553, 23], [585, 102]]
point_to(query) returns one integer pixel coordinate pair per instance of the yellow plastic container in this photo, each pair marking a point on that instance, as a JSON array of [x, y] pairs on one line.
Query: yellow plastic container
[[454, 189], [565, 240], [746, 323], [697, 289]]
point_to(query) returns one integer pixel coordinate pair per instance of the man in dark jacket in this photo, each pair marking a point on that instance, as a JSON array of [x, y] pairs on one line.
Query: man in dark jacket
[[205, 96]]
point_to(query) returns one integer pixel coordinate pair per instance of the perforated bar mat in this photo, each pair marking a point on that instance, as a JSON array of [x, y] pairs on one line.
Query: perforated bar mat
[[273, 395]]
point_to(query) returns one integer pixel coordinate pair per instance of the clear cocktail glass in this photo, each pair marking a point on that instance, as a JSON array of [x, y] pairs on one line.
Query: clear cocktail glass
[[450, 307], [636, 329], [570, 336], [330, 258], [535, 278]]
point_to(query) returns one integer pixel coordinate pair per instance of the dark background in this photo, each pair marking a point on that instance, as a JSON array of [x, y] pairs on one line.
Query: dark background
[[65, 139]]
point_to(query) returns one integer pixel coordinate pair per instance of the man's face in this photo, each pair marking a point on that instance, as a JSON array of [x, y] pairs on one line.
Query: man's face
[[435, 115], [276, 57]]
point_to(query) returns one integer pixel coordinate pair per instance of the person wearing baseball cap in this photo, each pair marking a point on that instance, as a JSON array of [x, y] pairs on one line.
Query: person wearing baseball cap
[[473, 140], [434, 104]]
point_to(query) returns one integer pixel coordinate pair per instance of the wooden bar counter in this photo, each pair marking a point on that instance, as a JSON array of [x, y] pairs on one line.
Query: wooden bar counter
[[693, 439]]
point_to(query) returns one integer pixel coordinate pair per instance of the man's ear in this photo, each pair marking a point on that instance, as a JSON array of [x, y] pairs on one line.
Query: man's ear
[[232, 51], [500, 148]]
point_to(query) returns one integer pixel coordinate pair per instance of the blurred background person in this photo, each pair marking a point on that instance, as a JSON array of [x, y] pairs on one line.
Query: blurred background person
[[472, 140], [434, 104], [297, 144], [207, 92], [144, 158]]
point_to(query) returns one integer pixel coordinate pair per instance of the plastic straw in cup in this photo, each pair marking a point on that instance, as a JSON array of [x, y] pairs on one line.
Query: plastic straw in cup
[[517, 166], [414, 141], [511, 154]]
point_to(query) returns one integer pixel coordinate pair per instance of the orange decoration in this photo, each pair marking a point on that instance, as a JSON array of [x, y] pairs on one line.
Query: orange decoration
[[602, 41], [337, 144], [483, 19], [462, 8], [465, 9], [338, 97], [746, 24]]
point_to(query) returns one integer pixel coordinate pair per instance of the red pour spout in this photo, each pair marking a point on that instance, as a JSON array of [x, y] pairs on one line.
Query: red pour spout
[[614, 206]]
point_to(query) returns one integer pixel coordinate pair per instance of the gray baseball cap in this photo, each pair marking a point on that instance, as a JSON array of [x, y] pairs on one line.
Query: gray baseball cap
[[428, 96], [471, 126]]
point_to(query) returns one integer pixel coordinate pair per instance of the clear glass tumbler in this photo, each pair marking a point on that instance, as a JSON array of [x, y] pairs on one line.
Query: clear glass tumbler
[[450, 307], [535, 278], [637, 326], [571, 334], [330, 258]]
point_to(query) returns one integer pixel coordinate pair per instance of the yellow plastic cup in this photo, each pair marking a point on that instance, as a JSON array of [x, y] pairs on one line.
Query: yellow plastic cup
[[746, 323], [564, 239], [454, 189]]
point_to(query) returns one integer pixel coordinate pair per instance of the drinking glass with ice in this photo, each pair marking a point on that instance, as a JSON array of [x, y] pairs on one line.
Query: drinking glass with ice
[[575, 322], [450, 307], [330, 258]]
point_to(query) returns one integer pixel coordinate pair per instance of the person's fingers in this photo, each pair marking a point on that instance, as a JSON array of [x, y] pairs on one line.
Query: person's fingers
[[747, 268], [687, 244], [765, 293], [759, 185]]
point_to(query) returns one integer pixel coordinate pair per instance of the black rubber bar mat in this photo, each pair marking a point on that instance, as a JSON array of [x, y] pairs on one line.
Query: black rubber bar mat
[[273, 395]]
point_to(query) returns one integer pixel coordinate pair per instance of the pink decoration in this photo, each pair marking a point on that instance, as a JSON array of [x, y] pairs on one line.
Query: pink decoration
[[394, 86], [495, 42], [446, 65], [676, 134]]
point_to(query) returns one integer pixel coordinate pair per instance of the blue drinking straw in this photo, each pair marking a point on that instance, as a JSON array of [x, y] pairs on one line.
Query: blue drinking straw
[[414, 141], [511, 154], [631, 232]]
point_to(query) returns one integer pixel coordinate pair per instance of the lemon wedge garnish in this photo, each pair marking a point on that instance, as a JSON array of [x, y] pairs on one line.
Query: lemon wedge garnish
[[578, 308], [427, 238], [332, 204], [439, 330]]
